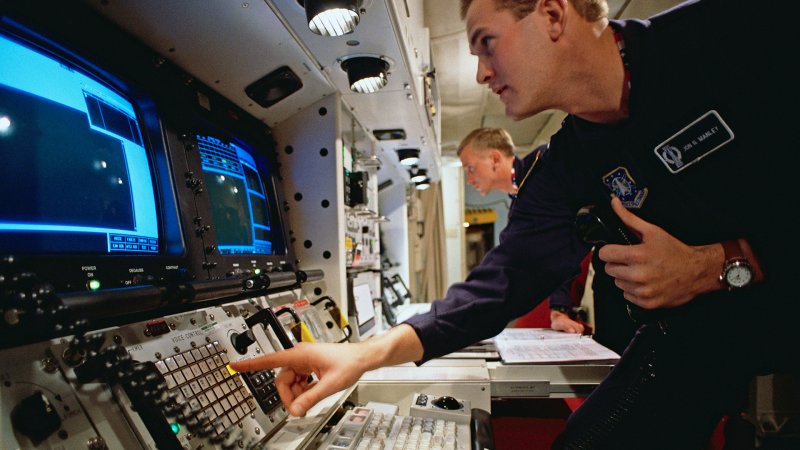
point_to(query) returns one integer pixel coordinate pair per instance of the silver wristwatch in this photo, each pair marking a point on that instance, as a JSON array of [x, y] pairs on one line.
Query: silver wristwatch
[[737, 272]]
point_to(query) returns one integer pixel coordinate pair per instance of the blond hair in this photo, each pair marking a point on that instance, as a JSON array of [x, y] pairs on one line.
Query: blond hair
[[488, 138], [591, 10]]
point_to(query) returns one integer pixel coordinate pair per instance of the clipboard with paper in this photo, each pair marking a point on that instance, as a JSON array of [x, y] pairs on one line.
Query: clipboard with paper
[[546, 346]]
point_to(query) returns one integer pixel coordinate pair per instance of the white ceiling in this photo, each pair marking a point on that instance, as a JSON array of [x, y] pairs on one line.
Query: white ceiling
[[466, 105], [228, 45]]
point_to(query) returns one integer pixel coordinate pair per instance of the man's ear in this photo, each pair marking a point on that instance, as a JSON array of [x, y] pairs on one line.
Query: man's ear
[[495, 156], [554, 13]]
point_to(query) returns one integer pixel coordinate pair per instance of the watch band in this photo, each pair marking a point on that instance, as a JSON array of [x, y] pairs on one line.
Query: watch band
[[732, 250]]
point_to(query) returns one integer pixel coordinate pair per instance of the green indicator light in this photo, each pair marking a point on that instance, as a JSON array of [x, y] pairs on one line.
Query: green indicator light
[[257, 271], [176, 427], [94, 285]]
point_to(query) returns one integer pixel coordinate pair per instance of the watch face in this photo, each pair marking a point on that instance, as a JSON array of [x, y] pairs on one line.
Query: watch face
[[738, 276]]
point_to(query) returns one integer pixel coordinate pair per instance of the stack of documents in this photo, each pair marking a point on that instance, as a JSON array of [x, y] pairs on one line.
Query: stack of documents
[[481, 350], [544, 346]]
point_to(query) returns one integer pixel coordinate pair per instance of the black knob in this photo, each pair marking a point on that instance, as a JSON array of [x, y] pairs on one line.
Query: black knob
[[184, 413], [161, 398], [205, 431], [447, 402], [242, 341], [152, 379], [192, 423], [218, 439], [172, 407], [36, 418]]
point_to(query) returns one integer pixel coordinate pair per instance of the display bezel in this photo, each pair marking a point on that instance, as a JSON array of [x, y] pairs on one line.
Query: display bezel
[[92, 271], [233, 126]]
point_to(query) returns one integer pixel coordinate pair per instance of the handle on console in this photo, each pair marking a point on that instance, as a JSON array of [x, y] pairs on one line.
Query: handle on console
[[267, 318]]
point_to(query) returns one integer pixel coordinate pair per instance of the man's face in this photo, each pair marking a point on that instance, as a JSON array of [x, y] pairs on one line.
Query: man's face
[[510, 56], [479, 169]]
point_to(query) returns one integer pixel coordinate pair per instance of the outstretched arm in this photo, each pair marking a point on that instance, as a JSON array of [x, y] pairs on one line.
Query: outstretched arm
[[663, 272], [337, 366]]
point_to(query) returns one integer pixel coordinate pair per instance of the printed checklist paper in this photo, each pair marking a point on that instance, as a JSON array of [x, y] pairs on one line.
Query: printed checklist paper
[[542, 346]]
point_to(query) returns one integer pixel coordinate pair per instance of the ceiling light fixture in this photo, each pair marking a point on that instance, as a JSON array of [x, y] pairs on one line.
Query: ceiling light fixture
[[418, 175], [331, 17], [408, 156], [366, 74], [390, 135]]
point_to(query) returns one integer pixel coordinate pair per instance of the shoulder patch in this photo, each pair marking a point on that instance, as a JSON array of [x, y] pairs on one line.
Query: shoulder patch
[[622, 184]]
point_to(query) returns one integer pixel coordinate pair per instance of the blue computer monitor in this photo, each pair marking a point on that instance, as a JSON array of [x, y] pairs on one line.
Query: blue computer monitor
[[76, 175], [240, 197]]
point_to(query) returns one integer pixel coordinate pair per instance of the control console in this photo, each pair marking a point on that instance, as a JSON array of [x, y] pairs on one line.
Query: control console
[[163, 383], [444, 407]]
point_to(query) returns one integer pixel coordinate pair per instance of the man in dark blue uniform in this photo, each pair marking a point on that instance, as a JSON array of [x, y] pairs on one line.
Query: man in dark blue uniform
[[682, 118], [487, 156]]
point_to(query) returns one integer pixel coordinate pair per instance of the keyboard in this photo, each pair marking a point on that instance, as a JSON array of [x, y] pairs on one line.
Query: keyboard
[[364, 428], [201, 379]]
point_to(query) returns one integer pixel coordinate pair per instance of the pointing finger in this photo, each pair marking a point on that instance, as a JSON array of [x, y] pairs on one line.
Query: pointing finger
[[270, 361]]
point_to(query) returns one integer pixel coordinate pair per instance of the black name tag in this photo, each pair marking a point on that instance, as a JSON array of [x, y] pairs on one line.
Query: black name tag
[[697, 140]]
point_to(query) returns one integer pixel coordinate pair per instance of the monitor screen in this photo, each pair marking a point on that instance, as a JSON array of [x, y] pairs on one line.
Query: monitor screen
[[76, 175], [238, 197], [365, 310]]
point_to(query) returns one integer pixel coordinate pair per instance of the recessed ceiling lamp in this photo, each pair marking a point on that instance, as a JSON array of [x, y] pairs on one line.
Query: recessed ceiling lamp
[[408, 156], [366, 74], [418, 175], [390, 135], [331, 17]]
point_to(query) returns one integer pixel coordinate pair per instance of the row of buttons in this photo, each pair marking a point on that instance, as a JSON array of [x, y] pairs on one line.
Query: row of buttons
[[201, 378], [263, 386]]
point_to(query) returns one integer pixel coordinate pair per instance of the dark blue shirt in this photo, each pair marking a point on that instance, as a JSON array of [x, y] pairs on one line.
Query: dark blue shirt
[[524, 168]]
